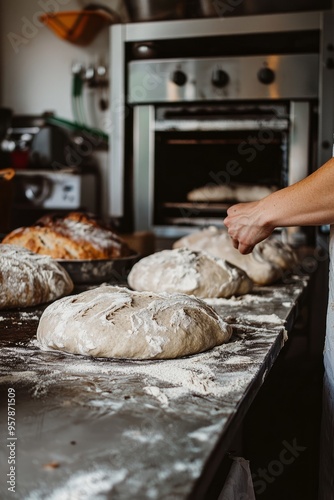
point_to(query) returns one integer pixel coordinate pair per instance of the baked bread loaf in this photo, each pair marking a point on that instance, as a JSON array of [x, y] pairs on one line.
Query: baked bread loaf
[[74, 236], [267, 263], [116, 322], [28, 279], [230, 192], [189, 271]]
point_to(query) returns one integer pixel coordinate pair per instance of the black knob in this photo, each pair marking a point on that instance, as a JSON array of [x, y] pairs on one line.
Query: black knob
[[266, 76], [220, 78], [179, 77]]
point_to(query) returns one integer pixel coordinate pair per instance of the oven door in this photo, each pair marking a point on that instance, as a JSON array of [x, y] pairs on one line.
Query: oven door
[[180, 148]]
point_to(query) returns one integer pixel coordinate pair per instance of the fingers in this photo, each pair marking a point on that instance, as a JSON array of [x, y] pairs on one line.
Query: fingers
[[245, 249], [235, 242]]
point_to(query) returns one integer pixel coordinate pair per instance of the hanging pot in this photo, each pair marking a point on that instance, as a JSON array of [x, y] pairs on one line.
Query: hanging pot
[[155, 10]]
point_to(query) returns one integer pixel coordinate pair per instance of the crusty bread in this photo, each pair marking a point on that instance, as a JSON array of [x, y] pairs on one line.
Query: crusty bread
[[74, 236], [27, 279]]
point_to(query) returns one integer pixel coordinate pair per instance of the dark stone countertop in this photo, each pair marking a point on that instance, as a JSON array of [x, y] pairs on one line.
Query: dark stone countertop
[[104, 428]]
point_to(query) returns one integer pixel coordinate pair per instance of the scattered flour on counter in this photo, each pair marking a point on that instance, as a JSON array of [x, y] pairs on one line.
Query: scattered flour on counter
[[248, 298], [220, 372], [143, 436], [29, 315], [85, 485], [17, 377], [106, 404], [194, 468], [238, 359], [203, 374], [235, 301], [203, 433], [264, 318], [157, 393]]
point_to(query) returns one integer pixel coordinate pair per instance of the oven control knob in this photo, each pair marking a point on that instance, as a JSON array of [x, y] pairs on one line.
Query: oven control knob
[[266, 76], [220, 78], [179, 78]]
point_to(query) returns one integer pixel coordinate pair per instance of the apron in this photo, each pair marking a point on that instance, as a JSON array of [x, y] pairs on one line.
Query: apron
[[326, 472]]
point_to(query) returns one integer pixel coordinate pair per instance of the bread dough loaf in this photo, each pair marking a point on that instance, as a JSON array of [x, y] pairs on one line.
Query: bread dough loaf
[[230, 192], [116, 322], [28, 279], [74, 236], [265, 265], [189, 271]]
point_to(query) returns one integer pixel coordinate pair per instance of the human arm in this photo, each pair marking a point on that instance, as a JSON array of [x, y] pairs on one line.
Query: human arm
[[306, 203]]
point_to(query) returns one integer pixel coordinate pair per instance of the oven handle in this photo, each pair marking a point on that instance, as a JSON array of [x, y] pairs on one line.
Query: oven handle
[[221, 125]]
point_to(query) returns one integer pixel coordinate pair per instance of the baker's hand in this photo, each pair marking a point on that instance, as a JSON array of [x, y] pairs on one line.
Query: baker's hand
[[244, 226]]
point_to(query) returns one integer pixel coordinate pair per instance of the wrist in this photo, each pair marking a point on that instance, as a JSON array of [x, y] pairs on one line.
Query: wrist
[[266, 213]]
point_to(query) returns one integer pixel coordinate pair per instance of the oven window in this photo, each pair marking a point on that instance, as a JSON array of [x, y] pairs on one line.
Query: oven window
[[186, 160]]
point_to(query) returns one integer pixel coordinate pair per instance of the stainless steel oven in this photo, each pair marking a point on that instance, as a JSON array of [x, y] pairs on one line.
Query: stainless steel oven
[[208, 102]]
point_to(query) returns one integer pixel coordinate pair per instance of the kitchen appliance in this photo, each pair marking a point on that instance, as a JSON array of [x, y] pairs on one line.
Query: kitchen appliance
[[39, 192], [151, 10], [213, 8], [54, 166], [238, 100]]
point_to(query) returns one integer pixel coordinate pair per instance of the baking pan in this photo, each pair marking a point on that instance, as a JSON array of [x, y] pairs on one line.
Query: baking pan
[[91, 272]]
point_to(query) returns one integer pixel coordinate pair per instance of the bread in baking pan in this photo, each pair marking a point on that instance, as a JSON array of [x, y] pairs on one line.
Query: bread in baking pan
[[73, 236], [27, 279]]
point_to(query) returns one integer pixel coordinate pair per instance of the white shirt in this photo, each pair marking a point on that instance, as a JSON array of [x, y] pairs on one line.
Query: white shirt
[[329, 342]]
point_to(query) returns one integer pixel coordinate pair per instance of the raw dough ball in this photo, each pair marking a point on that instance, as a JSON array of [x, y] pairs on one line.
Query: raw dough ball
[[28, 279], [189, 271], [230, 192], [265, 265], [116, 322]]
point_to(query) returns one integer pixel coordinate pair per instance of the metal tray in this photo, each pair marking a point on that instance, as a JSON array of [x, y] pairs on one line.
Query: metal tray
[[91, 272]]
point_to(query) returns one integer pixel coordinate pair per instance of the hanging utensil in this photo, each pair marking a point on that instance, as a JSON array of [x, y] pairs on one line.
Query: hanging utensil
[[80, 27], [7, 174]]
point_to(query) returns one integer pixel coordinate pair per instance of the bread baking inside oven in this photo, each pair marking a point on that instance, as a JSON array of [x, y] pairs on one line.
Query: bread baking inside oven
[[73, 236]]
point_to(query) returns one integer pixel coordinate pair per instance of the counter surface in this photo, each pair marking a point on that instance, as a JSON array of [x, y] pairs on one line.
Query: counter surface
[[104, 428]]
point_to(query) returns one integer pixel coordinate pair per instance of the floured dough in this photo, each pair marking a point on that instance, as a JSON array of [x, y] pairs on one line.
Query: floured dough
[[189, 271], [28, 279], [116, 322], [230, 192], [265, 265]]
